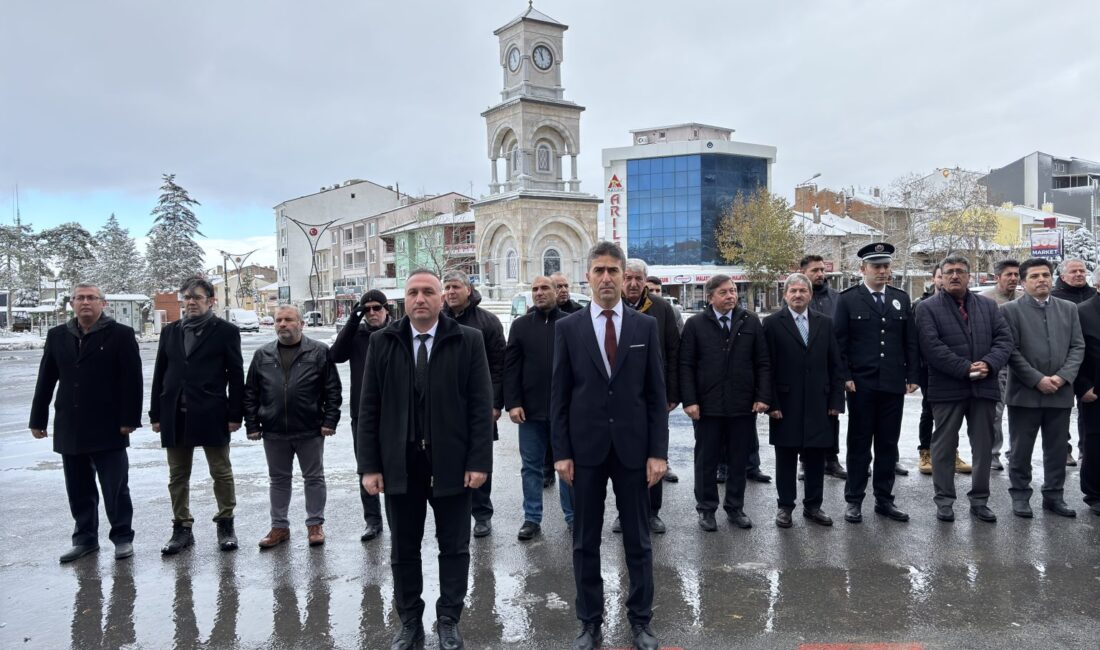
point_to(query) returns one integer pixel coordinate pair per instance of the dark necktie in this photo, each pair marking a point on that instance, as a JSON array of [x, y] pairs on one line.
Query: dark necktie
[[725, 325], [610, 345], [878, 302], [422, 363], [962, 311]]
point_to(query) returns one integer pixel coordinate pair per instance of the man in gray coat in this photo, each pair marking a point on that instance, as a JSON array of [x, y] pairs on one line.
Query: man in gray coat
[[1047, 354]]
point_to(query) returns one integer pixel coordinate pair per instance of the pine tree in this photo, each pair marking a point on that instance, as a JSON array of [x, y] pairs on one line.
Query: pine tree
[[70, 251], [118, 268], [1080, 244], [172, 255]]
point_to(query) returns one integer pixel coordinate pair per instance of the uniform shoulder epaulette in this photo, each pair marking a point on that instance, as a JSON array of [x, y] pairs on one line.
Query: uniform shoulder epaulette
[[851, 288]]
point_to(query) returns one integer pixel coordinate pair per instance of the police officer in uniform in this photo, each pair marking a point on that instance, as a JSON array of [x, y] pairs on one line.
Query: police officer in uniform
[[878, 343]]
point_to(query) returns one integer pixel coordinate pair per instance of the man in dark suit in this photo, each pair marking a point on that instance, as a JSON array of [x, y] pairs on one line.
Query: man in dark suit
[[878, 345], [197, 401], [609, 420], [809, 387], [94, 364], [1086, 387], [824, 300]]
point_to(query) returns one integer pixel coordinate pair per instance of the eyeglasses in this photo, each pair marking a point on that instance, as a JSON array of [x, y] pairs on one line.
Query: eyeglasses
[[373, 308], [954, 272], [192, 297], [86, 298]]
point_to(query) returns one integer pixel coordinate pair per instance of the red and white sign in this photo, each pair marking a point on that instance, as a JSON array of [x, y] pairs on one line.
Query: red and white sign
[[615, 185], [313, 232]]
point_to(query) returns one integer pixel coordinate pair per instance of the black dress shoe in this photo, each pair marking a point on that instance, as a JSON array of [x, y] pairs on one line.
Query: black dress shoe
[[409, 637], [707, 522], [643, 637], [891, 511], [899, 470], [590, 638], [818, 516], [227, 537], [449, 636], [1095, 508], [758, 476], [783, 518], [983, 513], [372, 530], [617, 526], [853, 514], [657, 526], [1059, 508], [670, 477], [528, 530], [945, 513], [723, 472], [483, 528], [1022, 509], [834, 468], [77, 552], [181, 539], [124, 550], [740, 519]]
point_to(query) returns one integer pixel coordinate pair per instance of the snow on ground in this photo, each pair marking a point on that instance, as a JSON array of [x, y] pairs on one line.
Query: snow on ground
[[20, 341]]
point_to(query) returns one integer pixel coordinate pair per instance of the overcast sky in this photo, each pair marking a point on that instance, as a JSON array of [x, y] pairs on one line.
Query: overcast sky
[[250, 103]]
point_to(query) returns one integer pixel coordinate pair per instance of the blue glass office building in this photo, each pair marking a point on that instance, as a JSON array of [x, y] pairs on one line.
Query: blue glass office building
[[674, 203]]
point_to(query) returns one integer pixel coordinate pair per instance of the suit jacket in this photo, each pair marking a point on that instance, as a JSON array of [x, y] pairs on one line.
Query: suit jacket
[[722, 374], [879, 350], [808, 380], [1089, 375], [1046, 342], [210, 380], [591, 412]]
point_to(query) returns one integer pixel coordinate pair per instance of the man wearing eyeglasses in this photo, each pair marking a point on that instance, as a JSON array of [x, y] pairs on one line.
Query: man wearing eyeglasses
[[198, 401], [369, 316], [95, 366]]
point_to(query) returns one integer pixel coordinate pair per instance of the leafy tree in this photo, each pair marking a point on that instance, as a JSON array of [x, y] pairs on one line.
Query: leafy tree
[[172, 255], [119, 267], [758, 234]]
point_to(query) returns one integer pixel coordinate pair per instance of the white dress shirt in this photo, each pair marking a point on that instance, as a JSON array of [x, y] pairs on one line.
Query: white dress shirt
[[429, 342], [599, 324]]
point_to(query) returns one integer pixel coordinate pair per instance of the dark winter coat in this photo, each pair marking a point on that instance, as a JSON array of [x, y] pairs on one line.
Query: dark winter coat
[[949, 346], [458, 405], [493, 332], [724, 375], [808, 380], [879, 351], [351, 345], [1076, 295], [99, 385], [528, 363], [294, 407], [210, 381], [1089, 375], [570, 306], [824, 300], [669, 335]]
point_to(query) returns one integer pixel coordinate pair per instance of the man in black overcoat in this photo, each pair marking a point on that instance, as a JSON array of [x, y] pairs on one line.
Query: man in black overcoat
[[95, 366]]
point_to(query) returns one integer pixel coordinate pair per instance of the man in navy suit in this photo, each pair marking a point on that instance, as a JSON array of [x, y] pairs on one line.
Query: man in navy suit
[[609, 420]]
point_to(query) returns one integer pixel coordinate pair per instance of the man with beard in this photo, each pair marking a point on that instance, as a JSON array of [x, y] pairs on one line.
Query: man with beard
[[1006, 290], [461, 304], [824, 300], [369, 316]]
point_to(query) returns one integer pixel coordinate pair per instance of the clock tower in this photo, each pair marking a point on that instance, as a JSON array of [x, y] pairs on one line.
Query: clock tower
[[535, 220]]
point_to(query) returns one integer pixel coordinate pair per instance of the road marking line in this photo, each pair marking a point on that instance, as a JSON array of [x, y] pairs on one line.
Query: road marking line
[[861, 646]]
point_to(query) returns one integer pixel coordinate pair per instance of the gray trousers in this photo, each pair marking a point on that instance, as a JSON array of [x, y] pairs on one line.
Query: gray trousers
[[280, 469], [1023, 427], [945, 444], [999, 416]]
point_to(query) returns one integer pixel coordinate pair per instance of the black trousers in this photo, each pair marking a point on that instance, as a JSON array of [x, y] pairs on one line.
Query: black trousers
[[1024, 425], [835, 451], [112, 467], [874, 427], [924, 428], [589, 494], [752, 456], [548, 463], [1090, 464], [786, 476], [721, 440], [372, 504], [482, 502], [405, 515]]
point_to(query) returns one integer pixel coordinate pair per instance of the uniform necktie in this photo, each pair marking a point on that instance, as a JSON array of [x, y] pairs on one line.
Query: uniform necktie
[[422, 362], [610, 345], [803, 328], [725, 324], [879, 302]]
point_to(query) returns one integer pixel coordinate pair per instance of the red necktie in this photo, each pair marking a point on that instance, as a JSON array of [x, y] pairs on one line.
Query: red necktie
[[610, 345], [962, 310]]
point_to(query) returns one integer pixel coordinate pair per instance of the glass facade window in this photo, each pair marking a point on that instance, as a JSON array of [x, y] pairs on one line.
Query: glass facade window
[[675, 203]]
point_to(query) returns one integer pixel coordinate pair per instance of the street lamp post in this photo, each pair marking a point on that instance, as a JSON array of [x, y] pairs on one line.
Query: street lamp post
[[313, 232], [238, 260]]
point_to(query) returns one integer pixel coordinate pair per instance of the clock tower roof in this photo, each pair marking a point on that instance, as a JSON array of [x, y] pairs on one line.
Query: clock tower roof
[[533, 15]]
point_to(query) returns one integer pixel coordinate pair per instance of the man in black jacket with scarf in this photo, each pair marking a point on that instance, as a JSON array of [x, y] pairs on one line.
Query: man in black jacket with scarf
[[426, 437], [95, 366], [1073, 285], [369, 316]]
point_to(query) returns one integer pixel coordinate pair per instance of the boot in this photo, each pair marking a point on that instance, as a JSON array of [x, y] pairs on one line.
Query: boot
[[227, 539], [924, 464], [181, 539], [961, 466]]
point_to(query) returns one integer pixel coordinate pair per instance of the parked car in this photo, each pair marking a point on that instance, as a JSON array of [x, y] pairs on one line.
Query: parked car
[[20, 321], [312, 318], [245, 320], [523, 302], [267, 320]]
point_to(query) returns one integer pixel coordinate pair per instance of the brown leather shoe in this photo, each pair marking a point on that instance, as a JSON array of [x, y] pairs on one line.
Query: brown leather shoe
[[316, 535], [275, 537]]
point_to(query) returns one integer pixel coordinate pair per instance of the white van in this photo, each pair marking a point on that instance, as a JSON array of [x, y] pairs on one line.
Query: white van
[[245, 320]]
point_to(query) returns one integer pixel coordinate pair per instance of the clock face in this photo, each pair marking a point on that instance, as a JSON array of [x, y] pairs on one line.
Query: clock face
[[513, 59], [543, 57]]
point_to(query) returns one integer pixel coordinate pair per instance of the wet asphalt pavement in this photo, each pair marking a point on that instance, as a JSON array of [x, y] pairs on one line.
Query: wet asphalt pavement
[[925, 584]]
